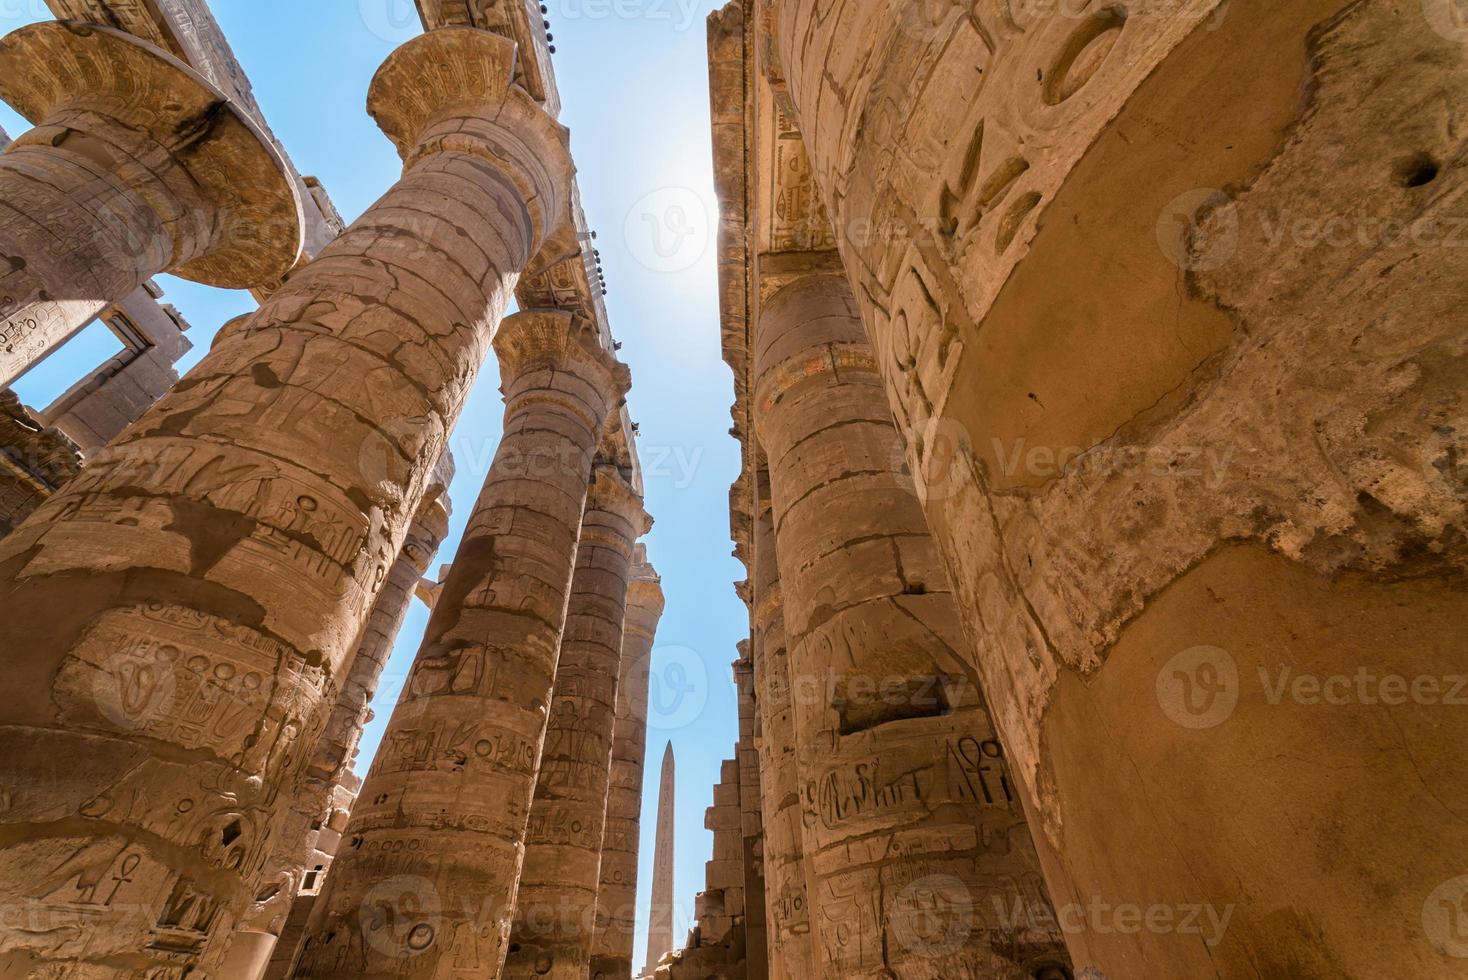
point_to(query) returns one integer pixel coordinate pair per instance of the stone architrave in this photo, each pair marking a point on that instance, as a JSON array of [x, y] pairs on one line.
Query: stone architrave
[[912, 834], [1168, 299], [137, 165], [555, 908], [330, 763], [660, 923], [616, 900], [179, 616], [425, 884], [787, 903]]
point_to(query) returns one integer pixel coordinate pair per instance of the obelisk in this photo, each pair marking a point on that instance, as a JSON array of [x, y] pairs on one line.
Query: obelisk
[[660, 927]]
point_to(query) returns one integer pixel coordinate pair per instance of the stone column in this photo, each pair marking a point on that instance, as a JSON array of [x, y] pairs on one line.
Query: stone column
[[179, 616], [911, 830], [1189, 434], [425, 883], [555, 912], [787, 902], [331, 759], [137, 165], [616, 899]]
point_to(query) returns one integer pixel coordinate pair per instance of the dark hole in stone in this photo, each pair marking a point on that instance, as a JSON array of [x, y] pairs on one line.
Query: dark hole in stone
[[231, 833], [1417, 171]]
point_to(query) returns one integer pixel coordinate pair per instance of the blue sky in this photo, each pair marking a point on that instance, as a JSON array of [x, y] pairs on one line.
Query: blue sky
[[634, 88]]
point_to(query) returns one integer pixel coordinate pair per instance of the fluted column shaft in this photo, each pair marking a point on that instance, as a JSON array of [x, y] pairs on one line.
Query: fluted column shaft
[[555, 912], [137, 166], [426, 879], [179, 616], [788, 905], [335, 749], [910, 825], [616, 899]]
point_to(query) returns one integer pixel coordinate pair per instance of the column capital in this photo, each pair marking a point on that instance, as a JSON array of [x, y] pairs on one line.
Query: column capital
[[452, 89], [59, 73], [612, 493], [552, 340]]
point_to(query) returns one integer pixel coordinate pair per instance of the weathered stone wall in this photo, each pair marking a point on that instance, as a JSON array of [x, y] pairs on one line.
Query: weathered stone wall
[[1167, 304]]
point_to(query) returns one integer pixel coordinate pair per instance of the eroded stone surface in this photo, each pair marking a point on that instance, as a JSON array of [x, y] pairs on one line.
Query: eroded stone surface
[[436, 841], [329, 766], [555, 908], [616, 899], [1162, 298], [137, 166], [184, 608], [913, 835]]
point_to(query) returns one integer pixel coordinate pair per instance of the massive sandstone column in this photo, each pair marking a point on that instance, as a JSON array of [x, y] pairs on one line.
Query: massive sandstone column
[[786, 870], [1169, 299], [331, 758], [137, 165], [911, 831], [616, 898], [425, 883], [555, 911], [178, 617]]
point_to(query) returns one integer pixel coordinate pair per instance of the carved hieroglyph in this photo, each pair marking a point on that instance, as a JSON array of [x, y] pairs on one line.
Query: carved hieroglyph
[[1168, 298], [913, 837], [331, 759], [788, 913], [616, 898], [137, 165], [178, 615], [425, 883], [555, 910]]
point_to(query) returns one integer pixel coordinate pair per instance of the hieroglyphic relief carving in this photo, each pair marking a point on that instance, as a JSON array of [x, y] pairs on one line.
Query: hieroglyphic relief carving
[[190, 723]]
